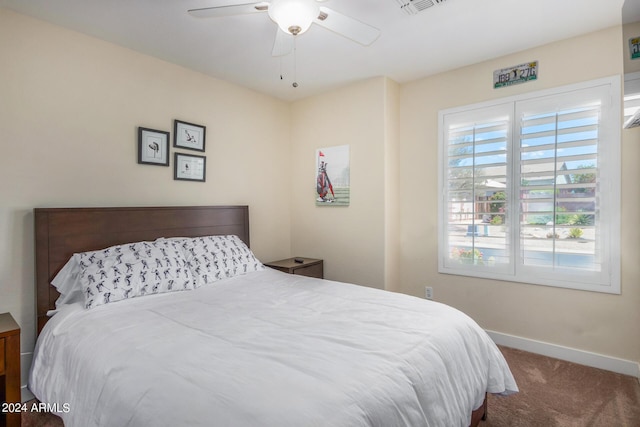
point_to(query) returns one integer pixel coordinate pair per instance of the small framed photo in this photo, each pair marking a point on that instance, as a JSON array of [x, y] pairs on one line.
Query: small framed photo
[[188, 135], [188, 167], [153, 147]]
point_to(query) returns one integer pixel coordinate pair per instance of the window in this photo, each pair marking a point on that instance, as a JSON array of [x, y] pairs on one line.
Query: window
[[530, 188]]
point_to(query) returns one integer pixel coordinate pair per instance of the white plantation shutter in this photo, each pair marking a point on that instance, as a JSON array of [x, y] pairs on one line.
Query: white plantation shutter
[[556, 150], [530, 188], [476, 170]]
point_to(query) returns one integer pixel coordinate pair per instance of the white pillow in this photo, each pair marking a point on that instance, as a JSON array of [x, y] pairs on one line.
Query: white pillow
[[67, 282], [132, 270], [67, 278], [212, 258]]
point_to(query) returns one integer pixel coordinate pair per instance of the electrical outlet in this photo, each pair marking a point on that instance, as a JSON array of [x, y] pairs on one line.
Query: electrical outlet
[[428, 292]]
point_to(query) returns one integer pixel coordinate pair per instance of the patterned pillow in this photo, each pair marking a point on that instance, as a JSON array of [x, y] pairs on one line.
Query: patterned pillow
[[132, 270], [212, 258]]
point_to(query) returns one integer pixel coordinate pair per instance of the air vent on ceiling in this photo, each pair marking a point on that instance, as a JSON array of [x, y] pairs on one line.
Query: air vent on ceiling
[[411, 7]]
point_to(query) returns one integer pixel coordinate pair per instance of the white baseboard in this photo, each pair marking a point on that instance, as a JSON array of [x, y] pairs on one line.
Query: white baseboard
[[25, 364], [26, 394], [600, 361]]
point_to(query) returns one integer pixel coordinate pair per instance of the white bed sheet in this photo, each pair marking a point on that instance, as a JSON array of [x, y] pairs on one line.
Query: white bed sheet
[[267, 349]]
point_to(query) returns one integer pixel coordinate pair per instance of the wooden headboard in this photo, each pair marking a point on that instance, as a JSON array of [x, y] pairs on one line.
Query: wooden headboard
[[61, 232]]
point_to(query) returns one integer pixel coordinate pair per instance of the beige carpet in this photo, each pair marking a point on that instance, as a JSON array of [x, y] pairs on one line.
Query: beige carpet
[[553, 393]]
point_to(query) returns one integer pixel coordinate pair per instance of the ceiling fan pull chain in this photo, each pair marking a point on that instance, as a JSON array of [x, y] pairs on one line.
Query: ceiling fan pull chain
[[295, 63]]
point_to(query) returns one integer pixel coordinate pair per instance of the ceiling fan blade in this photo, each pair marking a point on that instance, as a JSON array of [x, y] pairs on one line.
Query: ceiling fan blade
[[348, 27], [229, 10], [283, 44]]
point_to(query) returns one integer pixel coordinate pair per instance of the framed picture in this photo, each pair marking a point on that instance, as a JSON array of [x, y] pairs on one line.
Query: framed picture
[[153, 147], [333, 170], [188, 167], [189, 136]]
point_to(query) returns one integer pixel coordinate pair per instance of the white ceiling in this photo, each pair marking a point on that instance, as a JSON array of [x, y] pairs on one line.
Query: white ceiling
[[630, 11], [238, 49]]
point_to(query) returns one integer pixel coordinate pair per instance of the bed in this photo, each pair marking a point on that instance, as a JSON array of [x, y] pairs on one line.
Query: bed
[[250, 347]]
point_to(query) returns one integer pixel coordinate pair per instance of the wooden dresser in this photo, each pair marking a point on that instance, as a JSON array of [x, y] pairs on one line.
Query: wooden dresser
[[308, 267], [9, 370]]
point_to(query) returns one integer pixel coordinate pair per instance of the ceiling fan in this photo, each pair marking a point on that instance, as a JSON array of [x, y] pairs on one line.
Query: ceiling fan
[[294, 17]]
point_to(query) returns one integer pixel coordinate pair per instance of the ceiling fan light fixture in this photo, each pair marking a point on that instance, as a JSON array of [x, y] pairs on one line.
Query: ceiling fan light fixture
[[293, 16]]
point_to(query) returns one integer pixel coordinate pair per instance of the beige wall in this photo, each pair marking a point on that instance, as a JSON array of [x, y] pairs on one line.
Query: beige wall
[[392, 186], [351, 240], [631, 30], [70, 106], [587, 321]]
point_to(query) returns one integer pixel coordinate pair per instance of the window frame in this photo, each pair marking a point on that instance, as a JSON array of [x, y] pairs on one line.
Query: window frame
[[609, 182]]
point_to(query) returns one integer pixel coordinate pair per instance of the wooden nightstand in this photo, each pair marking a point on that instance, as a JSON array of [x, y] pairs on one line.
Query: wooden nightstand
[[9, 369], [308, 267]]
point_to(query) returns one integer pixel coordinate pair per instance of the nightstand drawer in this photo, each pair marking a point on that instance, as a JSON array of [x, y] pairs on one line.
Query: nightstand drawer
[[2, 356], [9, 368], [309, 267], [315, 270]]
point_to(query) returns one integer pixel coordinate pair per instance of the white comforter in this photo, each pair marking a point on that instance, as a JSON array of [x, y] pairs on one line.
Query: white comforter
[[267, 349]]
